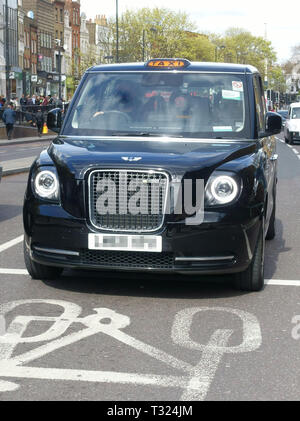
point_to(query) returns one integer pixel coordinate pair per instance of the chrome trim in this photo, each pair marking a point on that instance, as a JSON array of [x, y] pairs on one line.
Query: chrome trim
[[203, 259], [158, 139], [57, 251], [137, 171]]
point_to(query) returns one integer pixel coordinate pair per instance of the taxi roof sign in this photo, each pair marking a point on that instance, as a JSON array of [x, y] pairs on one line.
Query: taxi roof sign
[[167, 63]]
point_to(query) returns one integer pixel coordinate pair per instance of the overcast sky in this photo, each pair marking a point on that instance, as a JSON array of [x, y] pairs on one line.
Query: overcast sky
[[282, 18]]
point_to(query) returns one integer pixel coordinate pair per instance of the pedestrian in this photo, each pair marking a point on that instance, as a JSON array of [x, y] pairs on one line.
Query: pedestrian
[[39, 121], [9, 117], [23, 103]]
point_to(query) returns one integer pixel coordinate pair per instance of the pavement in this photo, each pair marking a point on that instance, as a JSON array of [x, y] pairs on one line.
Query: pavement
[[17, 166]]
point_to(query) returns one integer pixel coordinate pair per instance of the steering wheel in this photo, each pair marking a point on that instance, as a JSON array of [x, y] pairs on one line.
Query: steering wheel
[[114, 113]]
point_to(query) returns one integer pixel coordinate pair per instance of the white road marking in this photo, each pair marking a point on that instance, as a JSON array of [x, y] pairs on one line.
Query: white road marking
[[195, 381], [9, 370], [11, 243], [13, 271], [298, 156], [295, 151], [289, 146], [282, 282]]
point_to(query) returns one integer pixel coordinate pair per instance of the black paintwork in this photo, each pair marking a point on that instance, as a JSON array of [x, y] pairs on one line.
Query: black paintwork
[[227, 230]]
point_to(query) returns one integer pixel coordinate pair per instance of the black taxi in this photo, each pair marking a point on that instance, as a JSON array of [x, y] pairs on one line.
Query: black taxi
[[166, 166]]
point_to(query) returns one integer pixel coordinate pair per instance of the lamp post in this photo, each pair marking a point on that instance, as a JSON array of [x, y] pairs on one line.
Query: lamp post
[[144, 30], [154, 30], [7, 58], [221, 47], [117, 31], [58, 42]]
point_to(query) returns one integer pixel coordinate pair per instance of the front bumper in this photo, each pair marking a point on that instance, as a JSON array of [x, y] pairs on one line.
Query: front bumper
[[217, 246]]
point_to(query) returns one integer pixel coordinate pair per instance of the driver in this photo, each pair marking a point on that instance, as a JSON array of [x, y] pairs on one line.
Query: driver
[[124, 100]]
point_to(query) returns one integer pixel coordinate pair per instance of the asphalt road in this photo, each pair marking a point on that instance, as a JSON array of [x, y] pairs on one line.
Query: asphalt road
[[110, 336], [15, 151]]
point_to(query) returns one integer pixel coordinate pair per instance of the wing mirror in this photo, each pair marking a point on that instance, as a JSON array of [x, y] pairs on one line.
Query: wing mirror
[[273, 124]]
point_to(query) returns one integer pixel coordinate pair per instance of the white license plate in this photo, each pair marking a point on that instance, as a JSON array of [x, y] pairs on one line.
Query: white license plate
[[125, 242]]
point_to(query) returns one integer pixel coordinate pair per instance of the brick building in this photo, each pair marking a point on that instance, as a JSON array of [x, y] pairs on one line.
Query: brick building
[[73, 8], [43, 12], [30, 60]]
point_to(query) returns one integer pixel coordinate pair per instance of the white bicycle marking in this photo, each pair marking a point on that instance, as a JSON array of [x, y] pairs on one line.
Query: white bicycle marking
[[195, 381]]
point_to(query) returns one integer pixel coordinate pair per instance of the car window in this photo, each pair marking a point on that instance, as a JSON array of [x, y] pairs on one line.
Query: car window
[[169, 103], [295, 112], [260, 103]]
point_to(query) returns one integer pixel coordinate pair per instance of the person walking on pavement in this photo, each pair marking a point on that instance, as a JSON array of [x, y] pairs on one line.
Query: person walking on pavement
[[9, 118], [23, 104], [39, 121]]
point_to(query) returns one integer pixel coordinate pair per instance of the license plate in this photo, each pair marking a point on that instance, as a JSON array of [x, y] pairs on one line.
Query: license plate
[[124, 242]]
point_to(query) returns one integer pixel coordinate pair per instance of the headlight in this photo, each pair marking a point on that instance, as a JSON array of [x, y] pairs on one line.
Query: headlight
[[222, 189], [46, 185]]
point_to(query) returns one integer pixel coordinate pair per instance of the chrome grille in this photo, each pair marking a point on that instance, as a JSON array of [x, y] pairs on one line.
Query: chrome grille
[[127, 200]]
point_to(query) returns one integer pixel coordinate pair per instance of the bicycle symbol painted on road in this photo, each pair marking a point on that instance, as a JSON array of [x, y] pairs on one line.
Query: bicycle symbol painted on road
[[194, 382]]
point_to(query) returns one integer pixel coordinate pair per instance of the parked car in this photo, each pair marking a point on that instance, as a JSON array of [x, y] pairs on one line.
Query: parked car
[[284, 115], [166, 166], [292, 125]]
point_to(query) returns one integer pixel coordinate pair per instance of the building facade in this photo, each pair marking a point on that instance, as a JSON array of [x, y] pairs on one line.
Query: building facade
[[9, 49]]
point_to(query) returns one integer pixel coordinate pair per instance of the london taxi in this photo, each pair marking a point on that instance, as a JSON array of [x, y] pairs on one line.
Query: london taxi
[[133, 137]]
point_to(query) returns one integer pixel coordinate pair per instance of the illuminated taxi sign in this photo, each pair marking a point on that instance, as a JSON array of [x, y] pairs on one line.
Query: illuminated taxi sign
[[167, 63]]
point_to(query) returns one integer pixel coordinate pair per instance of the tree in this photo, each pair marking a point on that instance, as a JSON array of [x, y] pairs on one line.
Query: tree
[[158, 32], [242, 47]]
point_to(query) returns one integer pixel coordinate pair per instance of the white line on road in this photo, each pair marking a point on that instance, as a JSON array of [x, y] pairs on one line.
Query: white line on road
[[13, 271], [282, 282], [289, 146], [11, 243], [298, 156], [92, 376], [295, 150]]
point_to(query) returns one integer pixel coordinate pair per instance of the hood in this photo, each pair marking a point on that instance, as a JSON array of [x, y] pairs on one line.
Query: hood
[[76, 156]]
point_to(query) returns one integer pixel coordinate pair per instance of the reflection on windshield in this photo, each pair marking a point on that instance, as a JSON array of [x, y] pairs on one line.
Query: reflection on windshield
[[166, 103]]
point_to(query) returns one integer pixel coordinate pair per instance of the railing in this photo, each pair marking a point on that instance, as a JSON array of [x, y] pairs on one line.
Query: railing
[[26, 113]]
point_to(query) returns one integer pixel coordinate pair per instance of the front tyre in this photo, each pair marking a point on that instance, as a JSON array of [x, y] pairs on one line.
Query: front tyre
[[38, 271], [252, 279]]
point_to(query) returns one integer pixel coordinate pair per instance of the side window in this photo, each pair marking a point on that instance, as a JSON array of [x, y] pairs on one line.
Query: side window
[[260, 103]]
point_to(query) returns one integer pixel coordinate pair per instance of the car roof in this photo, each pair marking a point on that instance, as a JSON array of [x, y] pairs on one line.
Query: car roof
[[193, 66], [295, 104]]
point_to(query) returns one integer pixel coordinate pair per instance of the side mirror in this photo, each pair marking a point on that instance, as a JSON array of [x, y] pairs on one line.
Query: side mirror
[[54, 120], [273, 124]]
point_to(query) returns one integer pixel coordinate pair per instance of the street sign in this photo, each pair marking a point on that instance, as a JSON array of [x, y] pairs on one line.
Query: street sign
[[33, 78], [11, 75]]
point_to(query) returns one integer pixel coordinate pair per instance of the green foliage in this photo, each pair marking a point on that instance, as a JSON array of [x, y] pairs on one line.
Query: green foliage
[[160, 32], [242, 47]]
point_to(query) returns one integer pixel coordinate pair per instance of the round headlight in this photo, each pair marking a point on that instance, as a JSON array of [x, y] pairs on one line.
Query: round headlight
[[46, 184], [224, 189]]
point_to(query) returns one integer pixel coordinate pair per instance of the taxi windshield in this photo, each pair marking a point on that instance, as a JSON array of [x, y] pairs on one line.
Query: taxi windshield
[[160, 103]]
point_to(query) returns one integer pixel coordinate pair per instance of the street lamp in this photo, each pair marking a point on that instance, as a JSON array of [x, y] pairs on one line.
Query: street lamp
[[154, 30], [7, 59], [117, 31], [58, 42], [221, 47]]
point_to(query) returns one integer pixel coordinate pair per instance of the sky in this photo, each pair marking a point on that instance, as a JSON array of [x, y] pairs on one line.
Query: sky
[[282, 20]]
